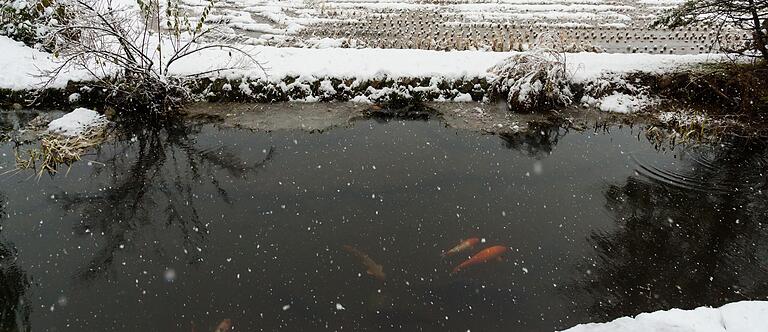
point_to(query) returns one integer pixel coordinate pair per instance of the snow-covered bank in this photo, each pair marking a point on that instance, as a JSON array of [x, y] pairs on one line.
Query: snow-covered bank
[[397, 63], [21, 64], [744, 316]]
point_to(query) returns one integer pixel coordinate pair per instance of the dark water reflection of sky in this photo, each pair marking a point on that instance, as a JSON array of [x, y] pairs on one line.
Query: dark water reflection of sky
[[193, 223]]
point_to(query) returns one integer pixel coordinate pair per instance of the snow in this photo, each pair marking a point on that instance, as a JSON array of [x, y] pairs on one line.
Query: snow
[[463, 97], [623, 103], [291, 16], [683, 118], [22, 64], [76, 122], [323, 43], [744, 316], [350, 63], [367, 63], [73, 98], [361, 100]]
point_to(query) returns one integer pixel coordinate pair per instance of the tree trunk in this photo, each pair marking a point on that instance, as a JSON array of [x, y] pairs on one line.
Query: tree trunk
[[759, 36]]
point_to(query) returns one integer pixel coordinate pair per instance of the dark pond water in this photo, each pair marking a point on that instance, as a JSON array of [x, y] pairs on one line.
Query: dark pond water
[[190, 223]]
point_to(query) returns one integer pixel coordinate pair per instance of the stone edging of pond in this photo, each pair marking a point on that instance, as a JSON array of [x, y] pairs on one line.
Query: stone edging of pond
[[312, 89], [294, 88]]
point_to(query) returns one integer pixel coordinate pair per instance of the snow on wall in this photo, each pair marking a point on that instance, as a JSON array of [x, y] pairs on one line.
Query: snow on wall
[[744, 316]]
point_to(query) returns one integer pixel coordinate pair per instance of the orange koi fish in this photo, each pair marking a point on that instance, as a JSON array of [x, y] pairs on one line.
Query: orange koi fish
[[463, 245], [483, 256], [375, 270], [224, 326]]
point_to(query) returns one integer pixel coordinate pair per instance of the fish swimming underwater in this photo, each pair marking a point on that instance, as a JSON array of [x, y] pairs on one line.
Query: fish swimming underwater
[[483, 256], [373, 269], [463, 245], [224, 326]]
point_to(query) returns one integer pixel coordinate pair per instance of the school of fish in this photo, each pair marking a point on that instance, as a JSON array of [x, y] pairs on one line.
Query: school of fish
[[492, 253], [483, 256]]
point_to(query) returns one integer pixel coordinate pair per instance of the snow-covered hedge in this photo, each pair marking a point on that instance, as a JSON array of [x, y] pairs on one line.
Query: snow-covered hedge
[[308, 88], [29, 21]]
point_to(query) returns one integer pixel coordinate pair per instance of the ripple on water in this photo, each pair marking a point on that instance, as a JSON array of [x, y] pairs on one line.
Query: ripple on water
[[723, 168]]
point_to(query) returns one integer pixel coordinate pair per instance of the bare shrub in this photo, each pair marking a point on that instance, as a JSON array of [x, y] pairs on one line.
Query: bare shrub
[[131, 56], [535, 80]]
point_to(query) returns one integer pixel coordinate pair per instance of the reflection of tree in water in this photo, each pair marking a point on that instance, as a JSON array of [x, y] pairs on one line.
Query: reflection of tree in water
[[14, 310], [538, 141], [3, 214], [10, 121], [154, 173], [684, 245], [5, 127]]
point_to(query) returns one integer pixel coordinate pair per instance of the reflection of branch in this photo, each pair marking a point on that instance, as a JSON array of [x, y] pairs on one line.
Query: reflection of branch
[[680, 246], [14, 309], [162, 175], [2, 207], [538, 140]]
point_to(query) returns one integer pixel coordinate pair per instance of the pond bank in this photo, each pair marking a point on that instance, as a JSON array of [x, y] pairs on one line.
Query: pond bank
[[703, 99], [667, 86], [304, 74], [743, 316]]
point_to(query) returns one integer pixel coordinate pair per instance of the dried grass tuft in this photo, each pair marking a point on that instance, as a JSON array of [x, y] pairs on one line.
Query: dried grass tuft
[[56, 150]]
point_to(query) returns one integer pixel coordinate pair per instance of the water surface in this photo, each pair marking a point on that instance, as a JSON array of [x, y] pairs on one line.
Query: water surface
[[189, 223]]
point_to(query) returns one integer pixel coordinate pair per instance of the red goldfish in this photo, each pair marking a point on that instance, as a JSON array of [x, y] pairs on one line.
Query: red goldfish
[[463, 245], [483, 256]]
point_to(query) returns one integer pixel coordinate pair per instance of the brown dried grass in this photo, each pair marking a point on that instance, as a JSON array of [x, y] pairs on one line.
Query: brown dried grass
[[56, 150]]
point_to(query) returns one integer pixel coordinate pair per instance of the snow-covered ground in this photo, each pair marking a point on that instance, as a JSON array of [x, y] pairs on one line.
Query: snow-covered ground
[[623, 103], [744, 316], [394, 63], [22, 64]]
